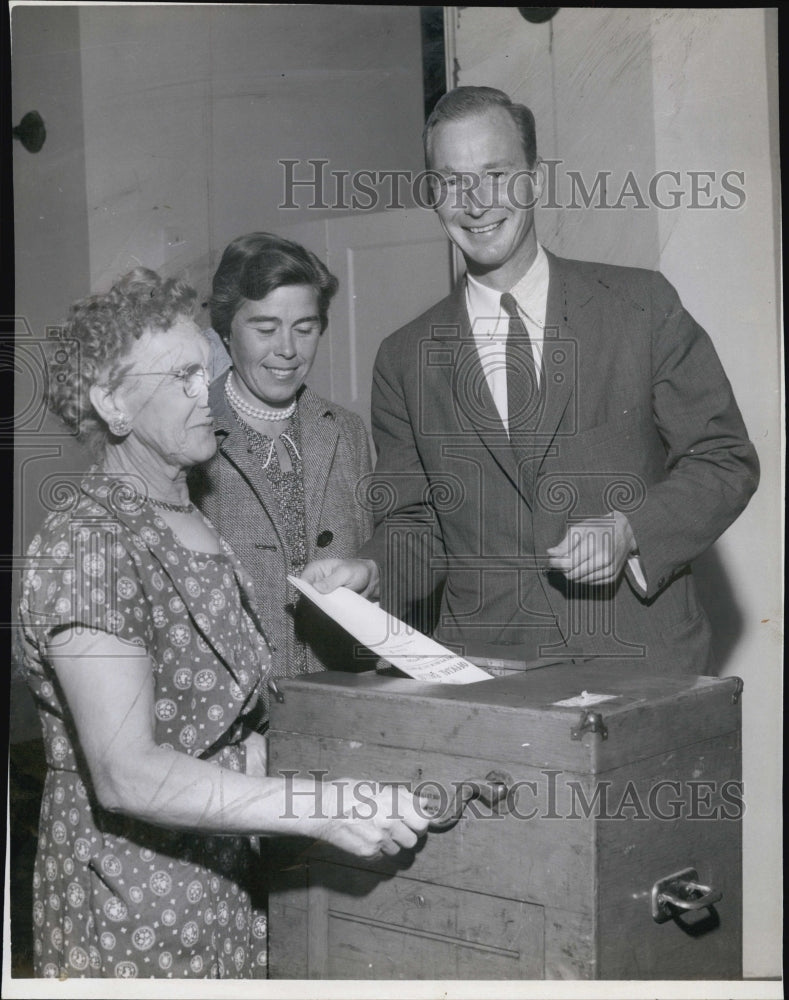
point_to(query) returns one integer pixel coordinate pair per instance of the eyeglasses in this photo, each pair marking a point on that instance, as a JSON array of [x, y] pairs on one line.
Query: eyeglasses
[[192, 378]]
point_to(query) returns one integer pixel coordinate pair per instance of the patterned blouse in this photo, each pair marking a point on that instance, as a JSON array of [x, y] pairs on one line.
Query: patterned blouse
[[288, 487]]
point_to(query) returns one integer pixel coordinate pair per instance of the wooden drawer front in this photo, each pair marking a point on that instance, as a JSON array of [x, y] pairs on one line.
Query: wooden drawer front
[[546, 862], [363, 928]]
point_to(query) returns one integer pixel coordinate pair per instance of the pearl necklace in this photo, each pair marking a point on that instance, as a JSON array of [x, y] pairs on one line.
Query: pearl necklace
[[257, 413]]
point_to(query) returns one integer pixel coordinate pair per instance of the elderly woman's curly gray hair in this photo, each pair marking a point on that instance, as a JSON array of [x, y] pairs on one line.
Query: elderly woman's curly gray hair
[[94, 344]]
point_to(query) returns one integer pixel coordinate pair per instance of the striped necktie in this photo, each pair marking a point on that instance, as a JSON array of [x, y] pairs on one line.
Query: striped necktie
[[523, 390]]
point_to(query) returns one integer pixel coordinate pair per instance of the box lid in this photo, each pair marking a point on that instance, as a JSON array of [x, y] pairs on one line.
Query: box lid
[[587, 717]]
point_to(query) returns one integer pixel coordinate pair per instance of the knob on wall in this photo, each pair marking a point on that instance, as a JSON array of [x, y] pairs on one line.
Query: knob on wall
[[537, 15], [31, 132]]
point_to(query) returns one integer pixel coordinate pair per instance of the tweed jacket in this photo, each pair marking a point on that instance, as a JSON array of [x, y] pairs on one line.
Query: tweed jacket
[[637, 415], [235, 494]]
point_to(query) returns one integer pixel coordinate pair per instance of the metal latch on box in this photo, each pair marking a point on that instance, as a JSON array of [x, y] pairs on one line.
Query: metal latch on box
[[591, 722], [680, 893]]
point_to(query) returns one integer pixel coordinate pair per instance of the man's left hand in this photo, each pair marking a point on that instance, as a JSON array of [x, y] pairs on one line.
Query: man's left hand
[[595, 551]]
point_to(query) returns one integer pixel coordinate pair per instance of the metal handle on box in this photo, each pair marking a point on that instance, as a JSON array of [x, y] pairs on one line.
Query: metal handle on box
[[681, 891], [492, 791]]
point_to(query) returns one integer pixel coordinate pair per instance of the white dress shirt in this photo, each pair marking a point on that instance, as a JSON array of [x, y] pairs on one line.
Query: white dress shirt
[[490, 326]]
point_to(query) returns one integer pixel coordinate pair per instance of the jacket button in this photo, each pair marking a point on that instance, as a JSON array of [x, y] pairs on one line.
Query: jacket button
[[324, 538], [661, 582]]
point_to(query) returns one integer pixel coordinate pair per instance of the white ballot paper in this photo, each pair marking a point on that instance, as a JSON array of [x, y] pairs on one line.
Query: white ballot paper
[[415, 654]]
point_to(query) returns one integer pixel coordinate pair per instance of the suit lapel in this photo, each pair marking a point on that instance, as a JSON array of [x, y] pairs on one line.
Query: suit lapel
[[232, 442], [521, 457], [319, 437], [563, 325], [473, 403]]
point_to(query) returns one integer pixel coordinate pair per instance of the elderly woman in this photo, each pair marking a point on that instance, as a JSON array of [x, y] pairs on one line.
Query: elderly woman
[[284, 485], [147, 661]]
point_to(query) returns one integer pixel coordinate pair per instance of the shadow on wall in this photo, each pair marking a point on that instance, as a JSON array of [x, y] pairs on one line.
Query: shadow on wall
[[720, 602]]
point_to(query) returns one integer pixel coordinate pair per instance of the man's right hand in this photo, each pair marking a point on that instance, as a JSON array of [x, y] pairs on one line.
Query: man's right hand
[[326, 575]]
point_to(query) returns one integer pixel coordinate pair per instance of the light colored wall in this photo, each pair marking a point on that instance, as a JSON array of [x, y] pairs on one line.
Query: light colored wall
[[332, 82], [146, 109], [188, 110], [50, 216], [566, 71], [164, 127], [51, 264], [711, 114], [649, 90]]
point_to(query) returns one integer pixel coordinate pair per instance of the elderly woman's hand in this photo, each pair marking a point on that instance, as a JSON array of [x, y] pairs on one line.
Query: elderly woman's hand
[[368, 820], [360, 575]]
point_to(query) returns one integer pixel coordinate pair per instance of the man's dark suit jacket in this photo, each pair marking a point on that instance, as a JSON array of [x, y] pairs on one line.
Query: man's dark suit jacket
[[637, 415]]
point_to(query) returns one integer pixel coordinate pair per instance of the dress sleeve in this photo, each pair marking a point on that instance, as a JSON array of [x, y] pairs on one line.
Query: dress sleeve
[[85, 576]]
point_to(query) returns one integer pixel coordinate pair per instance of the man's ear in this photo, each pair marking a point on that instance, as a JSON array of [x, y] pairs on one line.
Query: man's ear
[[540, 175], [428, 191]]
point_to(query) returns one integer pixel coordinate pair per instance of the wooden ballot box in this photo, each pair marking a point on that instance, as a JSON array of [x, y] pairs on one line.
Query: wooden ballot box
[[589, 827]]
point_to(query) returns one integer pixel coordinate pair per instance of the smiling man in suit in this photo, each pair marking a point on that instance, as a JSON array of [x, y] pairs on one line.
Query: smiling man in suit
[[557, 440]]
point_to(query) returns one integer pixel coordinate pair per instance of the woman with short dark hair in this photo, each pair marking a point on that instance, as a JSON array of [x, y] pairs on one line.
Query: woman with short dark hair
[[285, 486]]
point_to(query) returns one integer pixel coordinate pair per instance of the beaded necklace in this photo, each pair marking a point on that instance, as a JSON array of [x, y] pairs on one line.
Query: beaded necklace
[[256, 412]]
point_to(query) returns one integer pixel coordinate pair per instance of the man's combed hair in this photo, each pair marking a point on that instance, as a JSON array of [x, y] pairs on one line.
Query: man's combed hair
[[255, 265], [464, 102], [96, 340]]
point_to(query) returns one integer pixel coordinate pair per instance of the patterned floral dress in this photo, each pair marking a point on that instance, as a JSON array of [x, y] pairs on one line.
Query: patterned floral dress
[[114, 896]]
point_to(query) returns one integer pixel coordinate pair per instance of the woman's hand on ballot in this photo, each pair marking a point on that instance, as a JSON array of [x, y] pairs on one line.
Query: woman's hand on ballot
[[360, 575]]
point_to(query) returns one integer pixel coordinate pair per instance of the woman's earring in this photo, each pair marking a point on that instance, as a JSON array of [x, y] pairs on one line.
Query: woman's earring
[[120, 425]]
